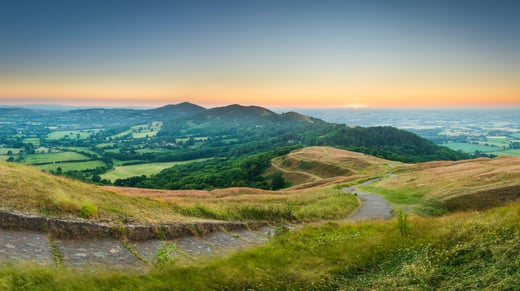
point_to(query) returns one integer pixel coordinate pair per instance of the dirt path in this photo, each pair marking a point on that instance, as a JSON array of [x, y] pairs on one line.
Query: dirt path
[[276, 166], [372, 206]]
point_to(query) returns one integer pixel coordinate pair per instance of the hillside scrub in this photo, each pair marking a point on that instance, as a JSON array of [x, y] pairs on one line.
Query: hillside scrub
[[455, 252]]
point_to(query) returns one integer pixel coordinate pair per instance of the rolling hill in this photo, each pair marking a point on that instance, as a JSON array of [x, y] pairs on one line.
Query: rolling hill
[[469, 184]]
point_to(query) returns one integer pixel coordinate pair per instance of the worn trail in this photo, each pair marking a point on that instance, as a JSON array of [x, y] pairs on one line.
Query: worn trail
[[372, 206]]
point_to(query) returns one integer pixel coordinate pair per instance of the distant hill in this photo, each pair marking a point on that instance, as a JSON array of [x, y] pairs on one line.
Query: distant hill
[[180, 110], [236, 111]]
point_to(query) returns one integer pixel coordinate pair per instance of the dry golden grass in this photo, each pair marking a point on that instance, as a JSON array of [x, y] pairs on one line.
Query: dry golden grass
[[446, 180], [26, 189]]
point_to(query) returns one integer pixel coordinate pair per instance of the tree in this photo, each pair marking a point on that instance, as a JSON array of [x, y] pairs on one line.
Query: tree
[[96, 178], [278, 181]]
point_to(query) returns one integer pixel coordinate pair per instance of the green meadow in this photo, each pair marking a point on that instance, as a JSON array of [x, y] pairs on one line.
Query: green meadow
[[5, 151], [68, 134], [72, 166], [470, 148], [54, 157], [123, 172]]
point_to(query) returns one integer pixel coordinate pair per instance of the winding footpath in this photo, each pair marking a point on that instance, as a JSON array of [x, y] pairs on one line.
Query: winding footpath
[[372, 206], [88, 254]]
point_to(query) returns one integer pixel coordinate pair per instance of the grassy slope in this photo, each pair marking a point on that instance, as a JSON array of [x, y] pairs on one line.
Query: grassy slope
[[254, 204], [26, 189], [448, 180], [457, 252]]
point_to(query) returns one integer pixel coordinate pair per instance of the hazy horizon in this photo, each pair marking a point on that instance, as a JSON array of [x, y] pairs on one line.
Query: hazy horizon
[[276, 108]]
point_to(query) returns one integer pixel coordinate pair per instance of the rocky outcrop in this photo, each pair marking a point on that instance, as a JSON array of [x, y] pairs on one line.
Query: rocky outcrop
[[74, 229]]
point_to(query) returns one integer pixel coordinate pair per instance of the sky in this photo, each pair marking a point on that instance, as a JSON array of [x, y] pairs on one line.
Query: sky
[[299, 53]]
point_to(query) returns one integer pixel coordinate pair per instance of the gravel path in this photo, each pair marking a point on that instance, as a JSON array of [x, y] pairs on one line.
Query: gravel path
[[25, 245], [89, 254], [372, 206]]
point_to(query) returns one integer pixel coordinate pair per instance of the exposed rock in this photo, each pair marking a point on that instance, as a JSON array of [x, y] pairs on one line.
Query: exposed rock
[[74, 229]]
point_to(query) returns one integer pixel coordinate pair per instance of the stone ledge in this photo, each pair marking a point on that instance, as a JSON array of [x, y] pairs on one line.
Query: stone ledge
[[81, 229]]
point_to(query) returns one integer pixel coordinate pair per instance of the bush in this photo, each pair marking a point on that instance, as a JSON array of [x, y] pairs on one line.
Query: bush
[[88, 210]]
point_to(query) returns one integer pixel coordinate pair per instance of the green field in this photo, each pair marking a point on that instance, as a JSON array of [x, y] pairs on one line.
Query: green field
[[81, 149], [105, 145], [149, 150], [68, 134], [123, 172], [4, 151], [146, 130], [54, 157], [123, 133], [72, 166], [34, 140], [470, 148], [498, 139], [141, 130], [508, 152], [116, 150], [131, 162]]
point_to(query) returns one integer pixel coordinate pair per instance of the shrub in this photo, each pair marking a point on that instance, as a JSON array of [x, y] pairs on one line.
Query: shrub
[[88, 210]]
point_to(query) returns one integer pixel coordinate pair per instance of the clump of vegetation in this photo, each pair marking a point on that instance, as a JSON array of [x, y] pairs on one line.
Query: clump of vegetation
[[164, 255], [431, 207], [88, 210], [280, 229], [402, 223]]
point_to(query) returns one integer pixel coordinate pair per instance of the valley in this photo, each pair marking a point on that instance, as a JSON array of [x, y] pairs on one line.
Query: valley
[[126, 147], [268, 196]]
